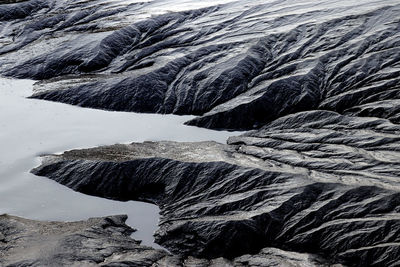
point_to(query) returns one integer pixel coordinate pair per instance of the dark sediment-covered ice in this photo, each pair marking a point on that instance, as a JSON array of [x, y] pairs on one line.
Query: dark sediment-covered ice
[[319, 80], [314, 182], [106, 242], [239, 64]]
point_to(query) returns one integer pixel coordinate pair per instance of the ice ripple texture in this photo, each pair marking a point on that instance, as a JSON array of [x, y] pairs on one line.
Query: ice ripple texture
[[238, 65], [316, 82]]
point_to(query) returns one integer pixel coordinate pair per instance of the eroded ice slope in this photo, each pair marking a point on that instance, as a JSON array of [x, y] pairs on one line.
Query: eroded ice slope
[[319, 79], [315, 182], [238, 64]]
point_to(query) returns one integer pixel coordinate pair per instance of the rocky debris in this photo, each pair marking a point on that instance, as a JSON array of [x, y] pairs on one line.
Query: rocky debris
[[239, 64], [97, 241], [313, 182], [274, 257], [106, 242]]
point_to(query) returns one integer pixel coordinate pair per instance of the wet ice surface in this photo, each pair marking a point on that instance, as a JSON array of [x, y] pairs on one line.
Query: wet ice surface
[[29, 128]]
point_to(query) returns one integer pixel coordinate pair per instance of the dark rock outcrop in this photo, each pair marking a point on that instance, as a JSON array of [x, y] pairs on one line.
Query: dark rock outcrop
[[313, 182], [106, 242], [239, 65]]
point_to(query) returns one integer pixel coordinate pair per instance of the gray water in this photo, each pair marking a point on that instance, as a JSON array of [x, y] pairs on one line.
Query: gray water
[[30, 128]]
